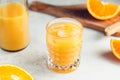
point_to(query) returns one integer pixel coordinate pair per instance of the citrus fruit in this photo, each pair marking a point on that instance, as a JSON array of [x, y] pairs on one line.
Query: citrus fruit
[[101, 10], [12, 72], [115, 46]]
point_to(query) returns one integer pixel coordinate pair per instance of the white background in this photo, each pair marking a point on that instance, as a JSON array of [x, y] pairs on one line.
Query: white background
[[97, 61]]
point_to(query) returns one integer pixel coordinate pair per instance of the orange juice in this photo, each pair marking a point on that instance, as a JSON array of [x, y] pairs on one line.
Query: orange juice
[[14, 33], [64, 40]]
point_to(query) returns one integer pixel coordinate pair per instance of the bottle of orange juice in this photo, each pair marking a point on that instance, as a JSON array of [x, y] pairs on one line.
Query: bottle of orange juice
[[64, 41], [14, 32]]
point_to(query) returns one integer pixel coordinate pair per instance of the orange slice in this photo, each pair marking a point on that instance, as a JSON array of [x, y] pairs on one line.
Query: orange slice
[[101, 10], [115, 46], [12, 72]]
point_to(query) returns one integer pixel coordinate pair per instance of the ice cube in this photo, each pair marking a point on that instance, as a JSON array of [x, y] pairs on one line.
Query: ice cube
[[75, 32], [62, 33]]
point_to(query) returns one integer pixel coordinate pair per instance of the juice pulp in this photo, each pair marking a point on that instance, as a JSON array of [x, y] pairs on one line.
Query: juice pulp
[[9, 72], [64, 40], [14, 33]]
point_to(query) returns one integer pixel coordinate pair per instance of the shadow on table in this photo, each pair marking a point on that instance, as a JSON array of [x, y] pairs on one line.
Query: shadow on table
[[39, 61], [110, 57], [36, 62]]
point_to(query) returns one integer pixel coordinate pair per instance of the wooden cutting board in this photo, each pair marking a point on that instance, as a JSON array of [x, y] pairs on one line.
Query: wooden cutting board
[[79, 12]]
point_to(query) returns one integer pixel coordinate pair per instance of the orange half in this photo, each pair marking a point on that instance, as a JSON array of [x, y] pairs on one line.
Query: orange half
[[12, 72], [115, 46], [101, 10]]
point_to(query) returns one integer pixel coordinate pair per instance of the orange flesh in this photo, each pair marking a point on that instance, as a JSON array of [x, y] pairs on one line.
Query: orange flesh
[[116, 46], [101, 9], [13, 73], [14, 34], [64, 40]]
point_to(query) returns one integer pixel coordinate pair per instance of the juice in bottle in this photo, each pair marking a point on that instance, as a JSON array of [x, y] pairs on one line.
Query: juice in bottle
[[64, 41], [14, 33]]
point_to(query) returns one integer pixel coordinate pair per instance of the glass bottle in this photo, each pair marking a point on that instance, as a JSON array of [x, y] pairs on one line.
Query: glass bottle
[[14, 30]]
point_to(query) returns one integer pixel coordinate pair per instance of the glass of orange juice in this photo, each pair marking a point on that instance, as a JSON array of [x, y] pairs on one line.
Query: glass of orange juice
[[14, 32], [64, 41]]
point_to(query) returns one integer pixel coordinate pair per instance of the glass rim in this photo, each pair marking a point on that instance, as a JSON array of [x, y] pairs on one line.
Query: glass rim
[[63, 19]]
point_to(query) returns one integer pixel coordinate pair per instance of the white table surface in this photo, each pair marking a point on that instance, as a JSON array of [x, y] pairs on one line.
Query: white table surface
[[97, 62]]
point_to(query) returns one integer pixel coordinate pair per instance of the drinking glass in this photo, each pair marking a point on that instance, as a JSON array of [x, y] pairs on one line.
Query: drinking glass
[[64, 41], [14, 31]]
